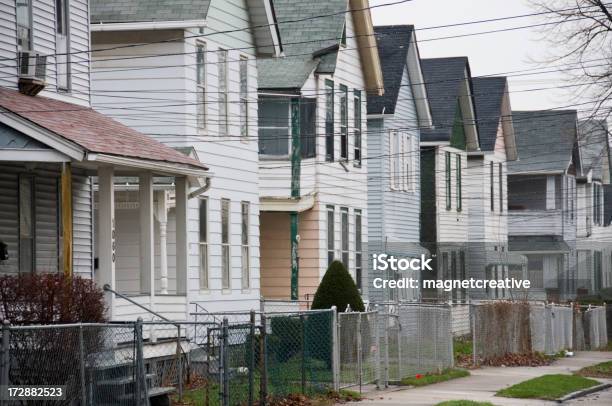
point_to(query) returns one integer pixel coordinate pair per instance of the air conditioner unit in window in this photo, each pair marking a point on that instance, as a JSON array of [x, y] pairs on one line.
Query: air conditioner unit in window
[[32, 67]]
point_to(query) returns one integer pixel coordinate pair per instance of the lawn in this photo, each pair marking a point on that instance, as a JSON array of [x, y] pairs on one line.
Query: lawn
[[464, 403], [602, 370], [548, 387], [428, 379]]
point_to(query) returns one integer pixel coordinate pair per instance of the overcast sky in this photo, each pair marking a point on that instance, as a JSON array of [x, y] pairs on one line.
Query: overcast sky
[[493, 53]]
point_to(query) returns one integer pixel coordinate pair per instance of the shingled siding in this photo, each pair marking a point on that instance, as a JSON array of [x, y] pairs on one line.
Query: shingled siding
[[43, 15], [233, 163]]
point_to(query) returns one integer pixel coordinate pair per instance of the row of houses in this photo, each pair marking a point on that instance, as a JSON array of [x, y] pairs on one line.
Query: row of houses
[[211, 152]]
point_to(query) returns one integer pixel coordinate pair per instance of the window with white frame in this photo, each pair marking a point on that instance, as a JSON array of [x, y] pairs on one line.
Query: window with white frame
[[62, 21], [223, 91], [244, 91], [331, 233], [492, 184], [343, 122], [447, 180], [201, 83], [357, 126], [500, 168], [358, 248], [395, 159], [225, 243], [23, 14], [329, 120], [203, 244], [246, 277], [274, 127], [344, 235], [408, 162]]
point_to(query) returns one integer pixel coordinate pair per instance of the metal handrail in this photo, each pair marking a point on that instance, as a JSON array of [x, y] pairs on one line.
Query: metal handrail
[[107, 288]]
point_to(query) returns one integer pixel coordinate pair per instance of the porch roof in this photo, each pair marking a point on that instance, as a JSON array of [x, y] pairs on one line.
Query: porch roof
[[87, 132], [537, 244]]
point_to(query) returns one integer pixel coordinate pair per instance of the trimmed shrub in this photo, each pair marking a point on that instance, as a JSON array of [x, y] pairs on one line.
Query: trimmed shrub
[[338, 289]]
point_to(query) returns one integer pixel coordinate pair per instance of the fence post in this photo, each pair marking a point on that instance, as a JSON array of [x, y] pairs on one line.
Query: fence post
[[252, 358], [399, 345], [335, 350], [359, 351], [473, 320], [377, 338], [82, 364], [263, 383], [5, 356], [225, 361], [386, 346], [303, 339], [179, 357], [141, 378]]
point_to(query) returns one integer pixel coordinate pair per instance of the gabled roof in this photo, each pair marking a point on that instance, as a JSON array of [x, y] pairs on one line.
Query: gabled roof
[[445, 80], [488, 96], [310, 33], [88, 129], [131, 11], [594, 147], [545, 140], [393, 42]]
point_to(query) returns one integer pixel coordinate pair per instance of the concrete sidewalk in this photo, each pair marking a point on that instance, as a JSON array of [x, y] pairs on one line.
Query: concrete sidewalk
[[485, 382]]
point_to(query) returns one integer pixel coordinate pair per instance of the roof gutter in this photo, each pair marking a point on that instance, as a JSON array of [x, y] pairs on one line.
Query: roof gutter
[[154, 166], [146, 25]]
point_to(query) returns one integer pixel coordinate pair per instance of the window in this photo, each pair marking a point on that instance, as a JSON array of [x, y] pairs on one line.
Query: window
[[357, 126], [244, 91], [62, 20], [203, 244], [500, 169], [274, 126], [344, 215], [343, 122], [24, 24], [223, 96], [329, 120], [447, 157], [572, 194], [225, 243], [453, 272], [330, 235], [27, 218], [358, 248], [395, 159], [492, 184], [245, 246], [408, 162], [462, 273], [308, 127], [343, 39], [458, 180], [201, 83]]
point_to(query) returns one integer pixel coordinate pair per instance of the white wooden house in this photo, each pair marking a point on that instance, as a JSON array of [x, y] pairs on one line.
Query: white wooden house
[[542, 209], [193, 85], [593, 234], [487, 187], [52, 144], [444, 152], [313, 145], [394, 122]]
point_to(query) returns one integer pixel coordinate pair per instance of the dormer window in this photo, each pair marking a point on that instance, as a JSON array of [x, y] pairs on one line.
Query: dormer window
[[24, 24]]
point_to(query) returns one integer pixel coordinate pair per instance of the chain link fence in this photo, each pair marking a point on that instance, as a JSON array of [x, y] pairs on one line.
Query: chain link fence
[[503, 327], [393, 342]]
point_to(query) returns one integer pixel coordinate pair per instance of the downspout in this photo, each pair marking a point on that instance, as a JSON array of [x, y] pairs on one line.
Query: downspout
[[296, 162]]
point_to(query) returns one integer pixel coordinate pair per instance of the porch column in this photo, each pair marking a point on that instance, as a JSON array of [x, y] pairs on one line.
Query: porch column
[[107, 244], [182, 247], [66, 216], [147, 261], [162, 216]]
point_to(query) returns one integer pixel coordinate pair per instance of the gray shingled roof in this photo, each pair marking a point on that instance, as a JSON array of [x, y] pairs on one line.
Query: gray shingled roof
[[545, 140], [593, 142], [301, 39], [393, 43], [488, 96], [129, 11], [537, 243], [443, 78]]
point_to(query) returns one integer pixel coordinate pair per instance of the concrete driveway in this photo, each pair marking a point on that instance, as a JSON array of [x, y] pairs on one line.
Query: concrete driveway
[[485, 382]]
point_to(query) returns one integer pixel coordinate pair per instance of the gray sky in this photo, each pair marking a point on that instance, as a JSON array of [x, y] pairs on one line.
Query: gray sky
[[488, 53]]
